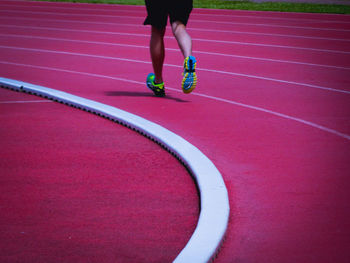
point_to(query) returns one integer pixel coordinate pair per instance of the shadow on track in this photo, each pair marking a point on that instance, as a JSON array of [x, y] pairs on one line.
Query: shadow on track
[[140, 94]]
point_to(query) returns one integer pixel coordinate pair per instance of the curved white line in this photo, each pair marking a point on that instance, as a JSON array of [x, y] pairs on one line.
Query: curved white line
[[267, 34], [194, 20], [188, 28], [308, 123], [141, 10], [213, 219], [168, 37], [177, 66], [273, 25], [310, 20], [24, 101], [343, 135], [176, 50]]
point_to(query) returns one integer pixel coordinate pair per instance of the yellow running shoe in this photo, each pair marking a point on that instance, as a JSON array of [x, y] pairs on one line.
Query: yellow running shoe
[[189, 80]]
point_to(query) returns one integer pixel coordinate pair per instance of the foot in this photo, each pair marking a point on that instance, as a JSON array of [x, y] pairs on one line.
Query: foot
[[189, 80], [158, 89]]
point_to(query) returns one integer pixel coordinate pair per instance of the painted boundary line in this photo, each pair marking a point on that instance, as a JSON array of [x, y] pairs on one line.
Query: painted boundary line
[[141, 9], [189, 28], [169, 37], [177, 66], [24, 101], [311, 20], [192, 21], [214, 214], [174, 49], [239, 104]]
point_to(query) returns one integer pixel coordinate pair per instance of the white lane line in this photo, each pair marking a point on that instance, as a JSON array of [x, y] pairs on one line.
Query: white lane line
[[320, 127], [215, 209], [268, 34], [194, 13], [24, 101], [189, 28], [256, 16], [274, 60], [176, 50], [278, 114], [192, 21], [169, 37], [228, 13], [272, 45], [274, 25], [178, 66]]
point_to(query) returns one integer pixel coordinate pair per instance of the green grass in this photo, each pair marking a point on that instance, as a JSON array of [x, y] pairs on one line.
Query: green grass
[[241, 5], [273, 6]]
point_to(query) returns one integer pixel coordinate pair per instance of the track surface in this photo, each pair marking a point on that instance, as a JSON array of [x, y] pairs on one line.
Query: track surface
[[272, 109], [74, 188]]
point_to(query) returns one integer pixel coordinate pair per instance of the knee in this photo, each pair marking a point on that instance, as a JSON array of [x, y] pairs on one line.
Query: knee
[[158, 33], [178, 28]]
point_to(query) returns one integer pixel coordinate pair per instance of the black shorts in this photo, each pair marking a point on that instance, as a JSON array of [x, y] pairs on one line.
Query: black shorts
[[159, 10]]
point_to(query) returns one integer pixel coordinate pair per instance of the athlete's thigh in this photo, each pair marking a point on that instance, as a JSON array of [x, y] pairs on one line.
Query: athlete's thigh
[[157, 13], [180, 10]]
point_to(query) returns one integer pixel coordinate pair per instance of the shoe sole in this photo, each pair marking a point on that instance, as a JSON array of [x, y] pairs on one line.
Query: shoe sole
[[189, 72]]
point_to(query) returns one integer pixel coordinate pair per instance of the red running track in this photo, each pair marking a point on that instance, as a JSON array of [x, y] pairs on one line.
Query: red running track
[[78, 188], [272, 108]]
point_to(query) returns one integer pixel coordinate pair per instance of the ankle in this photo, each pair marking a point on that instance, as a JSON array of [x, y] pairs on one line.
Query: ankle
[[158, 81]]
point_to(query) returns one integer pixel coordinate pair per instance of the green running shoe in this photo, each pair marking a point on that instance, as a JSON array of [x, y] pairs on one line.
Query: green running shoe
[[158, 89]]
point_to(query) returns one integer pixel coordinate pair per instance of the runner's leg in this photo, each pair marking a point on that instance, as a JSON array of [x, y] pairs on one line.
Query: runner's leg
[[157, 52], [182, 37]]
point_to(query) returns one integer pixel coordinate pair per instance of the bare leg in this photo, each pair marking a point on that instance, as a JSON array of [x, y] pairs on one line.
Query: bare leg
[[184, 41], [157, 52], [183, 38]]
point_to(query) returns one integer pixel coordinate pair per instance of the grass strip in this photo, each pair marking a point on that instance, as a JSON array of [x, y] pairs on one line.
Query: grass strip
[[240, 5]]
